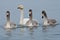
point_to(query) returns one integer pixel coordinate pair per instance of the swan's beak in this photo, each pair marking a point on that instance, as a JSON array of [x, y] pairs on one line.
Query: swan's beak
[[18, 8], [30, 14], [21, 8], [8, 15], [42, 17]]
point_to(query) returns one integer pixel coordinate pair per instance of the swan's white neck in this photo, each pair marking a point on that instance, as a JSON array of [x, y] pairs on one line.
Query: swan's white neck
[[8, 19], [8, 23], [21, 17]]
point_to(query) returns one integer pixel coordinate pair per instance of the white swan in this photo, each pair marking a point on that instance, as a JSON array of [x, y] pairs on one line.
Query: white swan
[[8, 23], [31, 21], [22, 19], [46, 20]]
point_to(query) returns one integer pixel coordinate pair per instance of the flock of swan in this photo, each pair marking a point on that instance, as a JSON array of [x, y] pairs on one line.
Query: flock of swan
[[28, 21]]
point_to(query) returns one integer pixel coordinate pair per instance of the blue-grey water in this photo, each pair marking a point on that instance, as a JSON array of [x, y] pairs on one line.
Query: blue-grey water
[[52, 8]]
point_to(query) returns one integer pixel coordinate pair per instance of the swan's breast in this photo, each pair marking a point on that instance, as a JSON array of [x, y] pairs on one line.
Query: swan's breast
[[32, 23], [7, 25], [25, 20]]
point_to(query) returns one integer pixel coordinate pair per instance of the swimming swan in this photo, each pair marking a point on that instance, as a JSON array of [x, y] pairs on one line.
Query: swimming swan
[[22, 19], [31, 21], [8, 23], [47, 21]]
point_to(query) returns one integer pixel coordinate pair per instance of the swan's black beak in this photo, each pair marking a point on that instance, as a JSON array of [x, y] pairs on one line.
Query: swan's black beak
[[30, 14], [7, 15], [42, 17], [18, 8]]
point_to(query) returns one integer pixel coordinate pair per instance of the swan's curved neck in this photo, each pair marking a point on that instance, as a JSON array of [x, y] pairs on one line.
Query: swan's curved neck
[[30, 17], [30, 14], [21, 16], [45, 16], [45, 21]]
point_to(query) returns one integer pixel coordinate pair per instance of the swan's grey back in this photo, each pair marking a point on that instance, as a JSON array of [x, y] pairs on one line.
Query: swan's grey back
[[34, 22], [52, 20]]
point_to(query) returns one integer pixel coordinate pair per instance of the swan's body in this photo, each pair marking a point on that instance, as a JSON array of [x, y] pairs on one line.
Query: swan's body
[[9, 24], [46, 20], [31, 21], [25, 20]]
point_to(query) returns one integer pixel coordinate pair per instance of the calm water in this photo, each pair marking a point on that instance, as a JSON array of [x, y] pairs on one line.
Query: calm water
[[52, 8], [35, 33]]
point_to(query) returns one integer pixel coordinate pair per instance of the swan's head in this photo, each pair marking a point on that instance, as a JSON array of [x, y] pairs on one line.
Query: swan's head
[[30, 12], [20, 7], [44, 15], [7, 14]]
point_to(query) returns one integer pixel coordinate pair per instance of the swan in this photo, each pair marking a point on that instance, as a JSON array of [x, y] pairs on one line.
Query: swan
[[22, 19], [31, 21], [9, 24], [46, 20]]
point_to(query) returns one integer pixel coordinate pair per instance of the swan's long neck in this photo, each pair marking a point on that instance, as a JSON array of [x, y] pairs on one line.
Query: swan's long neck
[[45, 21], [30, 17], [8, 23], [21, 17], [30, 14], [8, 20], [45, 18]]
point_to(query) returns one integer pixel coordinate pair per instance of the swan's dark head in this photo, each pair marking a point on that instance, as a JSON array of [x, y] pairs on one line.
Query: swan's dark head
[[20, 7], [7, 13], [30, 12], [44, 14]]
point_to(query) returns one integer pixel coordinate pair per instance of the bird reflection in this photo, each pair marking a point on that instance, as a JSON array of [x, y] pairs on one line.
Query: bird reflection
[[22, 29], [32, 29], [8, 32], [45, 28], [31, 32]]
